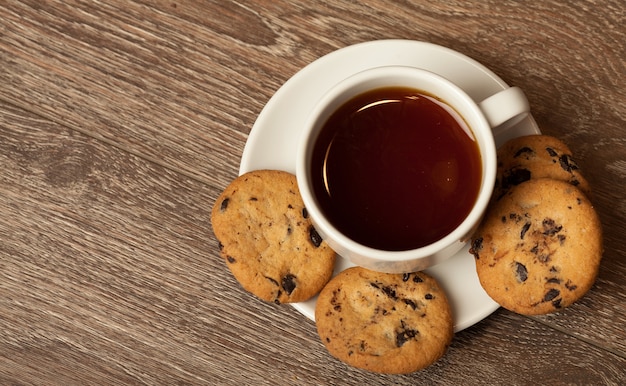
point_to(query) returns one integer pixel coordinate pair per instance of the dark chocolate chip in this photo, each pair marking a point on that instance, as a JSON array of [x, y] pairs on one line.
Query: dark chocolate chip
[[290, 206], [557, 303], [404, 335], [523, 150], [253, 199], [477, 246], [314, 237], [525, 229], [552, 152], [550, 227], [406, 276], [417, 279], [277, 299], [390, 292], [567, 163], [289, 283], [224, 204], [305, 213], [410, 303], [521, 273], [551, 294], [429, 297], [231, 259], [561, 239], [570, 286], [515, 177], [554, 280]]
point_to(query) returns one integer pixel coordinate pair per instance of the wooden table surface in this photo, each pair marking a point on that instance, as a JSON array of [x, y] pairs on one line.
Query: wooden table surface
[[122, 121]]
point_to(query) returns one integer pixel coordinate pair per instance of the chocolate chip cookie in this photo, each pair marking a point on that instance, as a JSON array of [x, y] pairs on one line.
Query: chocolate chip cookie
[[267, 239], [539, 247], [385, 323], [536, 156]]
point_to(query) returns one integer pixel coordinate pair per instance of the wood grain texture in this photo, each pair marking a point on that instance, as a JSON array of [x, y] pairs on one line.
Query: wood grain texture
[[121, 122]]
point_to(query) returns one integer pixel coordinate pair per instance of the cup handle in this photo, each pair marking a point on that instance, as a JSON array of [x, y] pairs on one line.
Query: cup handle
[[504, 105]]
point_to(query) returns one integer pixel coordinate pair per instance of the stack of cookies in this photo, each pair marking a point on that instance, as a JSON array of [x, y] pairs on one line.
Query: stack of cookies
[[539, 246], [537, 250]]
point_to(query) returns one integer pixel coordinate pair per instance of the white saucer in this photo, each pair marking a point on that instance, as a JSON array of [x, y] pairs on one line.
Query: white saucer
[[272, 140]]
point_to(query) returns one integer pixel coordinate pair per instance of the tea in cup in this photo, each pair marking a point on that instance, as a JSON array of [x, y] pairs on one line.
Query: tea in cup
[[396, 166]]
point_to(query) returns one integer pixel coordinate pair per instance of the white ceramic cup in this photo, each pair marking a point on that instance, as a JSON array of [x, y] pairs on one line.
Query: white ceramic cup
[[481, 117]]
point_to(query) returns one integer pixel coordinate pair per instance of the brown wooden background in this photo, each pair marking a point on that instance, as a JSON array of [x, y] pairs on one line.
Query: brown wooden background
[[121, 122]]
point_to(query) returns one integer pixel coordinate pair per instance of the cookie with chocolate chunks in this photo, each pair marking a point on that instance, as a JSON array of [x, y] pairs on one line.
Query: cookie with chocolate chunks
[[267, 239], [539, 248], [385, 323], [536, 156]]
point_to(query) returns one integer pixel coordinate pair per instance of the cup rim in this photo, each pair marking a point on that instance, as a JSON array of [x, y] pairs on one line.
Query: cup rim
[[323, 108]]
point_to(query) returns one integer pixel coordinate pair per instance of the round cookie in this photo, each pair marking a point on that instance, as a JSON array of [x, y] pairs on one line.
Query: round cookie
[[536, 156], [267, 239], [538, 249], [385, 323]]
